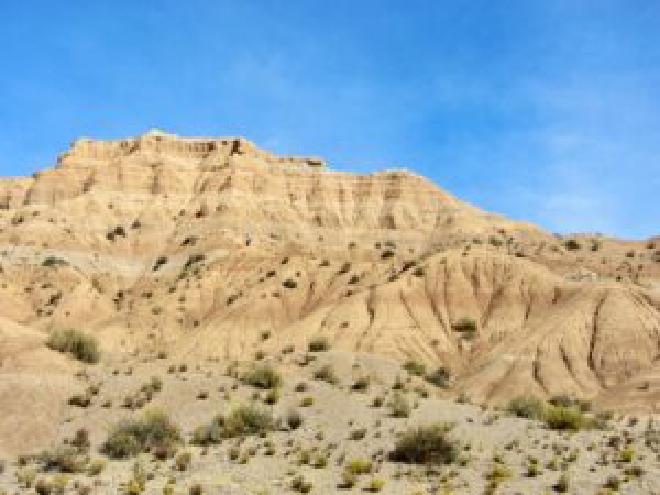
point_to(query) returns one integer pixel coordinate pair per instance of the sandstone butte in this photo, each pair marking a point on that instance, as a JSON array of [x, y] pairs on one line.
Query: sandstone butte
[[197, 246]]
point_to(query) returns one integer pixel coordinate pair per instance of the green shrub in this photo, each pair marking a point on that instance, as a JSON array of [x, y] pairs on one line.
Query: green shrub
[[627, 455], [527, 406], [247, 420], [153, 430], [263, 376], [96, 467], [80, 345], [358, 466], [499, 473], [564, 418], [375, 485], [209, 434], [426, 445], [440, 377], [415, 368]]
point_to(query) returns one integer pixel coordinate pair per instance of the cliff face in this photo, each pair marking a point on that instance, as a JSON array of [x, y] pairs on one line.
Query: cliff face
[[198, 246]]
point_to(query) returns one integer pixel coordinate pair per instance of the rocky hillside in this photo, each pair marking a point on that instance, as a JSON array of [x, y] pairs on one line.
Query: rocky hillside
[[200, 247]]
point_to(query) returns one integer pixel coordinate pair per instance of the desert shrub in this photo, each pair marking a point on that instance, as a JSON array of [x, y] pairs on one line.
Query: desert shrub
[[564, 418], [345, 268], [263, 376], [294, 419], [465, 325], [533, 468], [194, 259], [79, 400], [80, 440], [572, 245], [44, 487], [54, 261], [426, 445], [96, 467], [326, 374], [210, 433], [387, 253], [307, 401], [131, 437], [440, 377], [182, 461], [375, 485], [361, 384], [289, 283], [358, 466], [247, 420], [272, 397], [627, 455], [399, 406], [318, 344], [499, 472], [63, 460], [415, 368], [195, 489], [495, 241], [562, 484], [527, 406], [300, 485], [358, 434], [80, 345]]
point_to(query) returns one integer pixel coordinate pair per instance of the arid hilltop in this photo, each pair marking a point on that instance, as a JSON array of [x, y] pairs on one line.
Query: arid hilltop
[[197, 248]]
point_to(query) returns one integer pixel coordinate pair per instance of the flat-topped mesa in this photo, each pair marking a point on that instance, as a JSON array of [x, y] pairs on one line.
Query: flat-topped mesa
[[158, 142]]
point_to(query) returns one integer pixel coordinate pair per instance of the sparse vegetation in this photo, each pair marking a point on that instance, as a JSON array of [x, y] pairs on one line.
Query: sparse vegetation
[[326, 374], [246, 420], [426, 445], [527, 406], [415, 368], [263, 376], [319, 344], [565, 418], [80, 345], [153, 430], [440, 377]]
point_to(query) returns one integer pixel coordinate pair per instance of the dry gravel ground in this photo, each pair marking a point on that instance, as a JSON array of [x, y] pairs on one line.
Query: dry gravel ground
[[192, 395]]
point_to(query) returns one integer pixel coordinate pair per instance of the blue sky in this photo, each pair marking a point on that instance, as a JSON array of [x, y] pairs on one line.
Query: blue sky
[[541, 110]]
